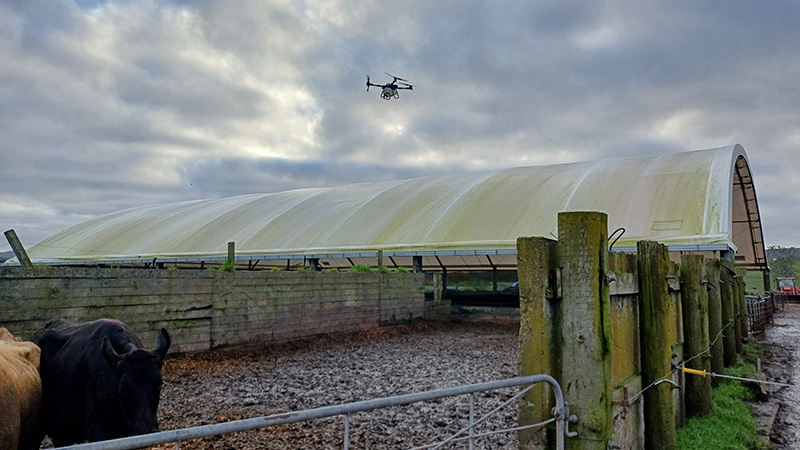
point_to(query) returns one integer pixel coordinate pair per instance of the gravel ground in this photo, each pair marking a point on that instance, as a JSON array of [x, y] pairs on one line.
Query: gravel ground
[[781, 340], [217, 387]]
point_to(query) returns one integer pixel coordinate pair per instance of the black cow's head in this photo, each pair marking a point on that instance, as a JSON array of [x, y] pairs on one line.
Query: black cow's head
[[139, 374]]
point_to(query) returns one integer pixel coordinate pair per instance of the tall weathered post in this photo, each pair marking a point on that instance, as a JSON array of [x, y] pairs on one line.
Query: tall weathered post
[[739, 316], [729, 321], [231, 255], [741, 331], [738, 285], [19, 249], [694, 301], [715, 320], [586, 326], [658, 331], [539, 333]]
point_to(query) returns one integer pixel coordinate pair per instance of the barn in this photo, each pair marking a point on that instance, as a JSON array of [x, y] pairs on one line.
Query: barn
[[694, 201]]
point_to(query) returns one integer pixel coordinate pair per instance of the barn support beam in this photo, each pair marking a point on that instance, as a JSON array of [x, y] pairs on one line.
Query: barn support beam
[[417, 264]]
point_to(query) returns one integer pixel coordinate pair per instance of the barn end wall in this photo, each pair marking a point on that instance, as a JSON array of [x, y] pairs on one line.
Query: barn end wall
[[206, 310]]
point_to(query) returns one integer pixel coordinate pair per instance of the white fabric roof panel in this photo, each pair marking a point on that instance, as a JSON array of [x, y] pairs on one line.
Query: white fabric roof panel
[[678, 199]]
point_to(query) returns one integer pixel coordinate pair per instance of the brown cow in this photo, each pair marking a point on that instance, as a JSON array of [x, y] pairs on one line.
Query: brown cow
[[20, 393], [5, 335]]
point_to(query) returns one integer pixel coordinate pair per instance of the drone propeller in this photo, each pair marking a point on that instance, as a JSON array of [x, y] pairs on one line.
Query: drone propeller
[[368, 83], [396, 78]]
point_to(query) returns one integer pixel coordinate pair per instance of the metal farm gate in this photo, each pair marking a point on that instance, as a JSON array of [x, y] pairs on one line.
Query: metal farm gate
[[561, 417]]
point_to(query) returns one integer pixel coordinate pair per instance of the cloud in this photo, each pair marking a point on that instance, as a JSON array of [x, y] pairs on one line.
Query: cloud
[[106, 105]]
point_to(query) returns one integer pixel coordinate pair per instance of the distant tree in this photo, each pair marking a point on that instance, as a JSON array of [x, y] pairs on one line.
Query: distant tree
[[784, 263]]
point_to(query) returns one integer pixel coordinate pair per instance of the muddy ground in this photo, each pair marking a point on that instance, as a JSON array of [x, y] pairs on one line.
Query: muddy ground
[[217, 387], [781, 341], [223, 386]]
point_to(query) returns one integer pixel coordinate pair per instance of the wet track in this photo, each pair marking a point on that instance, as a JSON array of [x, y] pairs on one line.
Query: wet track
[[781, 341]]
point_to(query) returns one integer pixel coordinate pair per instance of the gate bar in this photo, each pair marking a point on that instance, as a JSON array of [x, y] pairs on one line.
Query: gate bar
[[560, 413]]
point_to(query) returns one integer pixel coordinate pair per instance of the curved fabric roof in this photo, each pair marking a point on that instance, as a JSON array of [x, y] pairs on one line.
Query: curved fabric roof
[[686, 200]]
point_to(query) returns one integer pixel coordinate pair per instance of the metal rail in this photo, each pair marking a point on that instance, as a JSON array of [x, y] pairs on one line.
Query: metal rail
[[560, 415], [759, 312]]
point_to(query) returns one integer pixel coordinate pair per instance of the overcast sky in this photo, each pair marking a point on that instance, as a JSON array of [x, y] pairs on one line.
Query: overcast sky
[[107, 105]]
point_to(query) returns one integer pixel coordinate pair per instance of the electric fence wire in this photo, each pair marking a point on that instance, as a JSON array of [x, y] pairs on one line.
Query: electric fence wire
[[664, 379], [705, 352]]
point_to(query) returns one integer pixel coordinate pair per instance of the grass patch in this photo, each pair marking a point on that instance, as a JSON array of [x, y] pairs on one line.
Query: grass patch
[[360, 268], [732, 426]]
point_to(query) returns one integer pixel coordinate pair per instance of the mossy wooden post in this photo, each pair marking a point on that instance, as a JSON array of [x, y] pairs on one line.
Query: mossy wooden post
[[674, 288], [736, 307], [658, 331], [694, 302], [19, 249], [741, 331], [539, 333], [744, 323], [232, 255], [728, 317], [586, 333], [715, 320]]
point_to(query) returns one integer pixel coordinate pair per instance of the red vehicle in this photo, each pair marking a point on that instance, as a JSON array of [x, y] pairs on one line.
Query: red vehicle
[[787, 286]]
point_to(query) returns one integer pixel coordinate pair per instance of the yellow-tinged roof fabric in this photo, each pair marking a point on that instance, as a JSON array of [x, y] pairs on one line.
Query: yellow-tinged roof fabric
[[683, 199]]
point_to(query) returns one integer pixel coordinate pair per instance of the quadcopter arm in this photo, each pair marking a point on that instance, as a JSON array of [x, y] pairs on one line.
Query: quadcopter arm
[[389, 90]]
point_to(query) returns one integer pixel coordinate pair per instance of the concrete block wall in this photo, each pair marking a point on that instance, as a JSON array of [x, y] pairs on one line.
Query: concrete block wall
[[206, 310]]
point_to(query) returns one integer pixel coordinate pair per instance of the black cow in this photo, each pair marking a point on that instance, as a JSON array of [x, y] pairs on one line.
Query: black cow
[[98, 382]]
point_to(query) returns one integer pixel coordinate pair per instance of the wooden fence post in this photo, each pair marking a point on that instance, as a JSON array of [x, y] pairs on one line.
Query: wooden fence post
[[586, 326], [19, 249], [738, 283], [729, 320], [658, 331], [539, 306], [232, 255], [739, 314], [715, 320], [694, 302]]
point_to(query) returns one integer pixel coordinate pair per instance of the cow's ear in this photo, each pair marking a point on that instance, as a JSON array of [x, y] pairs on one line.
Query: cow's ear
[[113, 358], [163, 343]]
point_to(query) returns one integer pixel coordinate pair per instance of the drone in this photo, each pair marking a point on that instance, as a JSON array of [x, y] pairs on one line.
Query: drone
[[390, 90]]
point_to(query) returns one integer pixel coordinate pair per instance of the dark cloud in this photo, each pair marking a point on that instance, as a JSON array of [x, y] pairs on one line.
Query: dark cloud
[[106, 105], [228, 177]]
